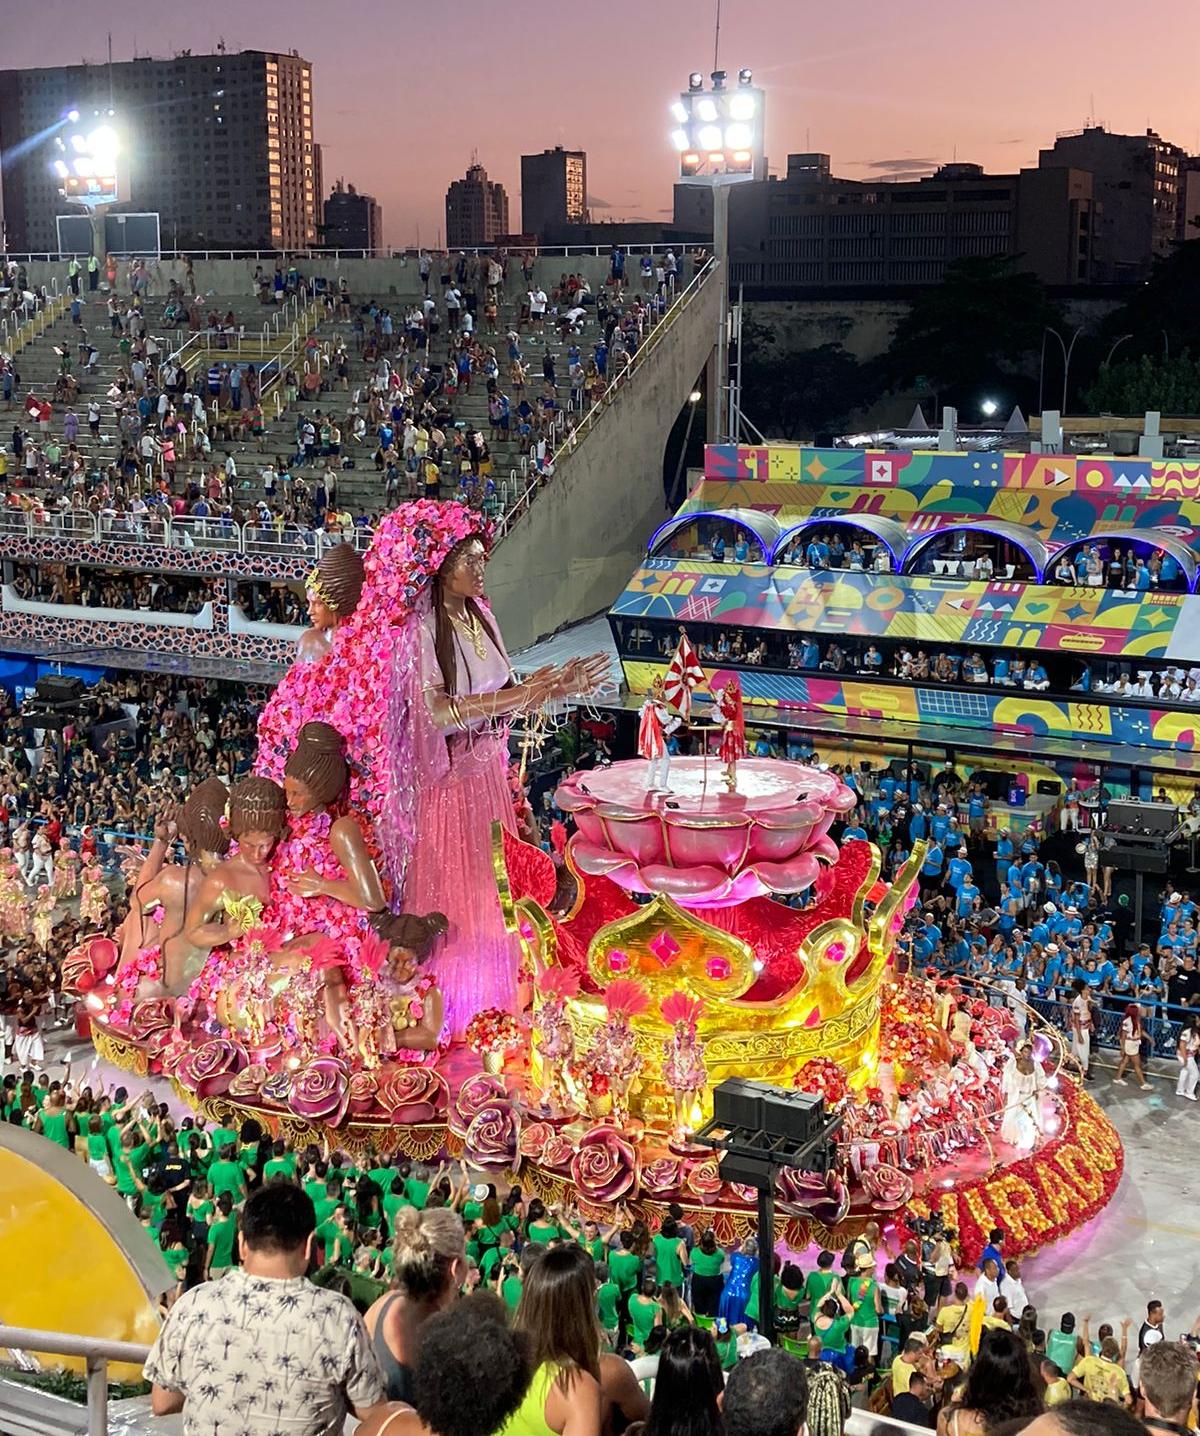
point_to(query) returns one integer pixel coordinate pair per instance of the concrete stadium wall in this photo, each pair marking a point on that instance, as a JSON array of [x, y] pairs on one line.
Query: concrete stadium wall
[[572, 553], [367, 278], [864, 327]]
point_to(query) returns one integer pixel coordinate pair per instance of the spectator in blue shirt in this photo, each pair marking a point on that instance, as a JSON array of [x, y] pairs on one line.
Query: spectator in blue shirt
[[931, 868], [958, 871], [917, 825], [939, 824], [817, 554], [966, 899]]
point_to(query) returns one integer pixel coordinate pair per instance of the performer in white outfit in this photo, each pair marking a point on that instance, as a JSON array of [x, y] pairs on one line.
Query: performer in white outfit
[[42, 868], [1023, 1083], [656, 725]]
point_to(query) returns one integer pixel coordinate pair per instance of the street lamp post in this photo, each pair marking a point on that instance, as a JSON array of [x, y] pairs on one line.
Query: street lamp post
[[693, 401], [1114, 349], [1067, 351]]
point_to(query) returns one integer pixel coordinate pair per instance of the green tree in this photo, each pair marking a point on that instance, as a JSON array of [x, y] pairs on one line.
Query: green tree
[[796, 393], [981, 326], [1160, 316], [1172, 386]]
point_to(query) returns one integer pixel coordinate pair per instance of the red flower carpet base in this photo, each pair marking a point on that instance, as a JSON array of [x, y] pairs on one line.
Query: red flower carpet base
[[1036, 1199]]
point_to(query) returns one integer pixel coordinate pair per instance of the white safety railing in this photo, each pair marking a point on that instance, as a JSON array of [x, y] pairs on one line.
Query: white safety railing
[[17, 330], [182, 532], [96, 1354], [567, 433], [403, 252]]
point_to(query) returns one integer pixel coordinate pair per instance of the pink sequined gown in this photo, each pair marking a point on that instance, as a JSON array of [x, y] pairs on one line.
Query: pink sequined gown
[[475, 965]]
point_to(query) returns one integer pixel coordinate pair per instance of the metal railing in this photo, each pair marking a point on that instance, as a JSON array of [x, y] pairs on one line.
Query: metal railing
[[404, 252], [575, 433], [183, 532], [16, 333], [95, 1352], [1161, 1021]]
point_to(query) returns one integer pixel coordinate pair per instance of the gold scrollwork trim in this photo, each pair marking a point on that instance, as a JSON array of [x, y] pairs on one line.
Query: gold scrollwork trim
[[126, 1055]]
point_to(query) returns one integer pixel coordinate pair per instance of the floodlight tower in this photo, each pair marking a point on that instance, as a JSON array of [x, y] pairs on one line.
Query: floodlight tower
[[86, 165], [719, 137]]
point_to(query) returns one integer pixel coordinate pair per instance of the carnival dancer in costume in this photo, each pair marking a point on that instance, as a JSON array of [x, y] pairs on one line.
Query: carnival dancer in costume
[[169, 890], [733, 729], [656, 725], [14, 916], [683, 1068], [43, 916], [66, 875], [1022, 1087], [334, 588], [553, 1035], [93, 902], [614, 1054]]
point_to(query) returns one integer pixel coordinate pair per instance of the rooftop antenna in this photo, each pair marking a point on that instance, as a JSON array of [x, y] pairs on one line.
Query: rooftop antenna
[[717, 40], [110, 77], [221, 45]]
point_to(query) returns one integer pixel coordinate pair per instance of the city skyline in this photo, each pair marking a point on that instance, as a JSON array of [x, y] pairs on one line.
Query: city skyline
[[884, 94]]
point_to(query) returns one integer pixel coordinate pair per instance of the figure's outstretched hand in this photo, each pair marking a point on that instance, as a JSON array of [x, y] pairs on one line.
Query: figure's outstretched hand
[[583, 676], [166, 824], [307, 884]]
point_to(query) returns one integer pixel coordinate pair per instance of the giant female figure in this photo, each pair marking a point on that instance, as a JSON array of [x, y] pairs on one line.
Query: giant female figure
[[418, 683]]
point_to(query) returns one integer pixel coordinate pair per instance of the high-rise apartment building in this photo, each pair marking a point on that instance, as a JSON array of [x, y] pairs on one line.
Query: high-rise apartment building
[[553, 191], [1139, 185], [221, 146], [476, 210], [352, 220]]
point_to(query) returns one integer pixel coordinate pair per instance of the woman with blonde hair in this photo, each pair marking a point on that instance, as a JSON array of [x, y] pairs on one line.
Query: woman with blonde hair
[[429, 1264]]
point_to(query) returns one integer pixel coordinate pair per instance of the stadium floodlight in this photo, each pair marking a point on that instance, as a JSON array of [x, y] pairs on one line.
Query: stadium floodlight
[[742, 107], [706, 110], [709, 137], [989, 407], [88, 170], [738, 137], [745, 77], [73, 116], [695, 80], [679, 112], [679, 138]]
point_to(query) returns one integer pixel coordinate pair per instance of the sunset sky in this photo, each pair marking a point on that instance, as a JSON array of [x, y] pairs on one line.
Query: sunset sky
[[405, 91]]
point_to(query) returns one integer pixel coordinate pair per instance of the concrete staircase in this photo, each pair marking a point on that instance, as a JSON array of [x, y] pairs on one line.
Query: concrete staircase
[[38, 367]]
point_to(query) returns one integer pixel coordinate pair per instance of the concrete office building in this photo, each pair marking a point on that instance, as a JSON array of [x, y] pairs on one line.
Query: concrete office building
[[352, 220], [1139, 185], [553, 192], [221, 146], [476, 210]]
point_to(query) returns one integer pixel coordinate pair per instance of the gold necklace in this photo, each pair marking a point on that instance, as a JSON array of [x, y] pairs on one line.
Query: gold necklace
[[472, 631]]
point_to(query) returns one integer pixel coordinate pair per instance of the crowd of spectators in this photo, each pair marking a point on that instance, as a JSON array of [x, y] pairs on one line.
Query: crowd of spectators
[[997, 911], [307, 1284], [100, 588]]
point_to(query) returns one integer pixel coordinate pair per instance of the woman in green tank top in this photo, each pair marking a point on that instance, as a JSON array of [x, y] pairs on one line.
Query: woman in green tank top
[[557, 1314]]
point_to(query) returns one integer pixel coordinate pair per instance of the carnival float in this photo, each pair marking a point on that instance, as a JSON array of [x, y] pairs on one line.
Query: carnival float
[[363, 945]]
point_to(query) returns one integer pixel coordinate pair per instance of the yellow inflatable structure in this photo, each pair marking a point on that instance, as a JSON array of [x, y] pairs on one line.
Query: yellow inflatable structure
[[73, 1257]]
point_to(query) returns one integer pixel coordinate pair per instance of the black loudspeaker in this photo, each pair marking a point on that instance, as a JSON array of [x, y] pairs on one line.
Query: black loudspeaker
[[795, 1116], [55, 689], [1047, 788], [738, 1102], [1137, 859], [754, 1172]]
